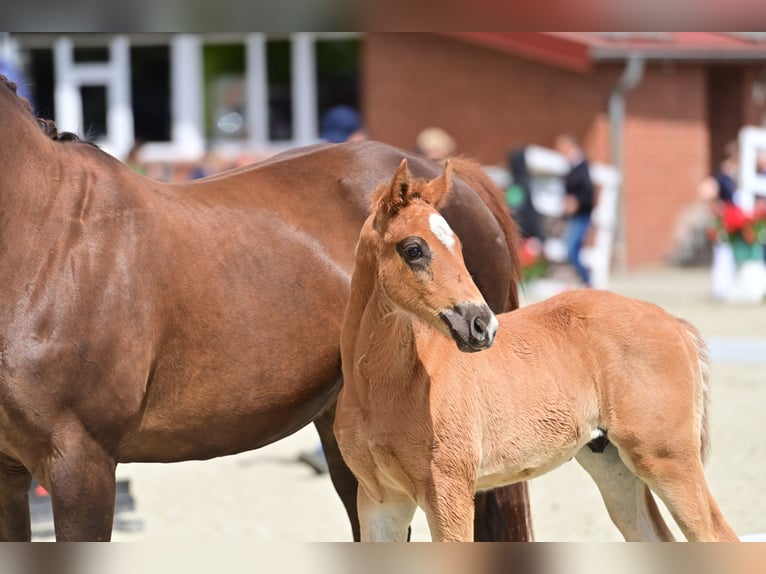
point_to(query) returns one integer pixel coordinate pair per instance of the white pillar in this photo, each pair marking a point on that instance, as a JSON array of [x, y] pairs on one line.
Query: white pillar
[[66, 94], [304, 88], [119, 119], [187, 95], [257, 101]]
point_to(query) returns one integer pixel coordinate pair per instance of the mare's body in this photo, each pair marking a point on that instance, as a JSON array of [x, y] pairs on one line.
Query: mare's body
[[141, 321]]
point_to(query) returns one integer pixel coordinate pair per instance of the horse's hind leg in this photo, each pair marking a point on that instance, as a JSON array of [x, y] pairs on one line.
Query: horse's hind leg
[[80, 477], [343, 479], [627, 498], [680, 482], [15, 481]]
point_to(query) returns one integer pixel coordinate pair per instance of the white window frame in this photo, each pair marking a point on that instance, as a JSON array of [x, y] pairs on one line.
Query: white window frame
[[187, 129]]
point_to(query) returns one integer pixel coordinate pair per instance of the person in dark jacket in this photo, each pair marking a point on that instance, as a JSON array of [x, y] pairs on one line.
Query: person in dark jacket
[[518, 196], [726, 174], [578, 200]]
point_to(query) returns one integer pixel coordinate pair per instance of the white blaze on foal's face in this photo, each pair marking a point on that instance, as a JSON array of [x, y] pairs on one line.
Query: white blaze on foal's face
[[442, 230]]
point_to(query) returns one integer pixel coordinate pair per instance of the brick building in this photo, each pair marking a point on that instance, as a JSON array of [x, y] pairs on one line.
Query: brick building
[[662, 119], [659, 106]]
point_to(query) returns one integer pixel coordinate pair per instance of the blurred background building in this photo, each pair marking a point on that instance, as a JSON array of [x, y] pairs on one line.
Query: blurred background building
[[660, 107]]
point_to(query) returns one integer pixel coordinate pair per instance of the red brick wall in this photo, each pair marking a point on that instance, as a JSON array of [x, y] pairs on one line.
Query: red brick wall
[[492, 102], [489, 101], [754, 95], [666, 156]]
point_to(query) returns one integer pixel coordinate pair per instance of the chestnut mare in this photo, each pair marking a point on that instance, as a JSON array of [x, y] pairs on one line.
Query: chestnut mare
[[141, 321], [615, 382]]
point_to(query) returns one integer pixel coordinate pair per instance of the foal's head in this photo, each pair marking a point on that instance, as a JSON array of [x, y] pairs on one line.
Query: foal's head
[[420, 264]]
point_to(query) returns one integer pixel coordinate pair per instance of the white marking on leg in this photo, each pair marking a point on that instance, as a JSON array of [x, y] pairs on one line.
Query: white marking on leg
[[384, 521], [442, 230]]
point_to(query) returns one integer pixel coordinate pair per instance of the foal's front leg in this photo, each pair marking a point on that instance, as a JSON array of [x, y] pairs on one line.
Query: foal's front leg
[[449, 508], [385, 520]]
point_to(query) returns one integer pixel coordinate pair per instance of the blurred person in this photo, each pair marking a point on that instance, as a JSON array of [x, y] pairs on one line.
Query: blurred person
[[135, 160], [435, 143], [339, 124], [760, 162], [578, 201], [11, 69], [250, 157], [718, 191], [358, 135], [518, 196], [725, 176], [211, 163]]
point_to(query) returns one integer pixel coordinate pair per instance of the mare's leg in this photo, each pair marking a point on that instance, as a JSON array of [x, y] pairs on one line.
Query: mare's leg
[[503, 515], [79, 475], [387, 520], [627, 498], [15, 481], [343, 479]]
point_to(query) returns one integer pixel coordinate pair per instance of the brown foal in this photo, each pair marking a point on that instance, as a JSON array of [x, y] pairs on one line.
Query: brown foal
[[617, 383]]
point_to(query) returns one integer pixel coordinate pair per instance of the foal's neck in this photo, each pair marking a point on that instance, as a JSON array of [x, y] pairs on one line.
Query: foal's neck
[[379, 342], [393, 339]]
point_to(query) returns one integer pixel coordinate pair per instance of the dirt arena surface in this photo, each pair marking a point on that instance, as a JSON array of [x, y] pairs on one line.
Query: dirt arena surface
[[268, 496]]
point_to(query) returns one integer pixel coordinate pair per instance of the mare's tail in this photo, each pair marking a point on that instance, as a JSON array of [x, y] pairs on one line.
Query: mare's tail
[[704, 367], [473, 174]]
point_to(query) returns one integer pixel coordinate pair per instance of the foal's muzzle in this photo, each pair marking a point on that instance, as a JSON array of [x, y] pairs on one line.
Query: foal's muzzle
[[472, 326]]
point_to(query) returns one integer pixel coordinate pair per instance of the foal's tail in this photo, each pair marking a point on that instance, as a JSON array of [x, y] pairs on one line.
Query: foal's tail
[[704, 366], [473, 174]]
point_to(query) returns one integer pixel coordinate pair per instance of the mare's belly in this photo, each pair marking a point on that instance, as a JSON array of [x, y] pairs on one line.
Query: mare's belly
[[228, 410], [230, 433]]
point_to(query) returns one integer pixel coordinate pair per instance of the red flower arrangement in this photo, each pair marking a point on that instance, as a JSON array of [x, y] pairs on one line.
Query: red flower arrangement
[[533, 263], [745, 232], [735, 224]]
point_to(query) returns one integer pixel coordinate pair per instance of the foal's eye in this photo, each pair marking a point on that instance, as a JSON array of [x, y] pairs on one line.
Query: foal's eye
[[413, 252]]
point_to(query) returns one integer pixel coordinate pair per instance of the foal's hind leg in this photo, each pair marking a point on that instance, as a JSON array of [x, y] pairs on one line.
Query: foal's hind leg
[[680, 482], [627, 498], [15, 481]]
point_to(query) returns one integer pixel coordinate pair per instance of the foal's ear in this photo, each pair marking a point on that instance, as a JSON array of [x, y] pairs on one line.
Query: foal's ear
[[436, 189], [393, 197]]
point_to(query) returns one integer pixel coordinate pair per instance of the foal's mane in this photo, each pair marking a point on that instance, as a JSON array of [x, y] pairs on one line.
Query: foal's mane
[[47, 126]]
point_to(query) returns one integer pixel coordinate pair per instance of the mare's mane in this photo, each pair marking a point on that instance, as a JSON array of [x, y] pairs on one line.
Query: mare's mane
[[47, 126], [471, 172]]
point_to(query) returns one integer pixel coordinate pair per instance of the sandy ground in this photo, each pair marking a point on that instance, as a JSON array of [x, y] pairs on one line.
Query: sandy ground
[[266, 495]]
